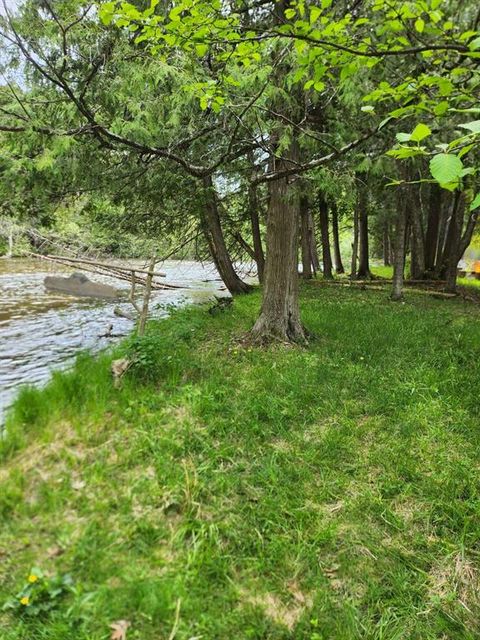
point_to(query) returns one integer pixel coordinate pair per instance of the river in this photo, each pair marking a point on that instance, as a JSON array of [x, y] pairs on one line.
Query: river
[[41, 331]]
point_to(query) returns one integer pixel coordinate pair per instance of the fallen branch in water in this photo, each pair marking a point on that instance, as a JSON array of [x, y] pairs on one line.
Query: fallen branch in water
[[114, 271]]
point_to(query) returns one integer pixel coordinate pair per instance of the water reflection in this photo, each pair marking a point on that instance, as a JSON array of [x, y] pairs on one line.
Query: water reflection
[[41, 330]]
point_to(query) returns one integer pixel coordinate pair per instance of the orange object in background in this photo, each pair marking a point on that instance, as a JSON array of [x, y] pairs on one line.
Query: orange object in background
[[476, 268]]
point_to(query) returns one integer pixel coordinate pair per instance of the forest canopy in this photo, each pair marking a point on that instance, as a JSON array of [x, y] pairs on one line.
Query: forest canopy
[[245, 129]]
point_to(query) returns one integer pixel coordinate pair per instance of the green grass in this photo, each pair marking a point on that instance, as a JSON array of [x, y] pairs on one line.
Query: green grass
[[328, 493]]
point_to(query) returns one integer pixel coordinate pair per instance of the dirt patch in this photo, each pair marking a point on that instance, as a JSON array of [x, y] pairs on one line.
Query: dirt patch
[[285, 613]]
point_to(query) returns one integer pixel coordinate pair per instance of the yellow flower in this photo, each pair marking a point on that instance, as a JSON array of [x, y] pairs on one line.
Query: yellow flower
[[32, 577], [25, 600]]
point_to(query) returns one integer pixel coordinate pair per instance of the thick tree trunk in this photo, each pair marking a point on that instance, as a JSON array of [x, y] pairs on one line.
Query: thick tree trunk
[[253, 208], [212, 230], [337, 256], [326, 255], [279, 318], [400, 246], [433, 226], [364, 259], [307, 272]]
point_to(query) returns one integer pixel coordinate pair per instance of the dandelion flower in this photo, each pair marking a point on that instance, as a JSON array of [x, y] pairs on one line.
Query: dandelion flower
[[25, 600], [32, 578]]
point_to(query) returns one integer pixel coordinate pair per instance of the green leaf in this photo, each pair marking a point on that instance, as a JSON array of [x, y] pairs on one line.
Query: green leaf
[[420, 132], [201, 49], [403, 137], [475, 202], [474, 44], [315, 13], [446, 168], [420, 25], [474, 126]]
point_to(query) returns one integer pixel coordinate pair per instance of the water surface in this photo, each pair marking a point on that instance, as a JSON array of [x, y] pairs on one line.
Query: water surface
[[42, 330]]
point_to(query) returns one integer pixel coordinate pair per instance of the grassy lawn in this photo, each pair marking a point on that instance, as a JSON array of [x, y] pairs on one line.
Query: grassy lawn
[[329, 493]]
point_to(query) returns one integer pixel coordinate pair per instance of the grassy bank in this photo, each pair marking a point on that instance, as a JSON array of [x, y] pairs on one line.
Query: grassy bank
[[329, 493]]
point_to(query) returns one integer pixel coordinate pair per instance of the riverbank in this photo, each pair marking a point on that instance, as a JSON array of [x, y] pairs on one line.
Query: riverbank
[[43, 330], [223, 491]]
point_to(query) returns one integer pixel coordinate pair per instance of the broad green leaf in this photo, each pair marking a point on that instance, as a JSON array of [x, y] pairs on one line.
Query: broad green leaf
[[420, 132], [474, 126], [446, 168], [403, 137]]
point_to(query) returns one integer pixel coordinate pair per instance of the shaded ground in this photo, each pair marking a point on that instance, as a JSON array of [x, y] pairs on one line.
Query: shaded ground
[[329, 493]]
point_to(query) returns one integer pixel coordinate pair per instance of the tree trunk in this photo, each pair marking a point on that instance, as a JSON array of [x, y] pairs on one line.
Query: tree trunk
[[307, 261], [468, 232], [364, 260], [337, 256], [353, 267], [442, 250], [386, 245], [279, 318], [399, 253], [212, 230], [326, 255], [433, 226], [453, 241], [9, 253], [313, 244], [418, 247], [255, 225]]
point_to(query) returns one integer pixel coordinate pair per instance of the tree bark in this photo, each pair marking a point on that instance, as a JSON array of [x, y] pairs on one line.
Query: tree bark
[[453, 241], [364, 260], [442, 250], [337, 256], [418, 247], [353, 267], [326, 255], [400, 245], [255, 225], [279, 318], [313, 244], [306, 244], [212, 230], [433, 227], [386, 245]]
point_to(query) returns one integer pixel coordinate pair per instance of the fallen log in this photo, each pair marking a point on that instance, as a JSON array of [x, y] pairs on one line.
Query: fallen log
[[95, 263], [113, 271]]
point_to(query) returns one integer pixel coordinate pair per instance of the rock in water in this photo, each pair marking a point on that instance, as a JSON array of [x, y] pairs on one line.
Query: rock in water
[[79, 285]]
